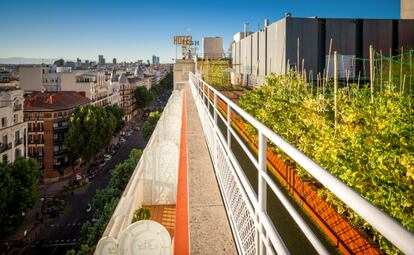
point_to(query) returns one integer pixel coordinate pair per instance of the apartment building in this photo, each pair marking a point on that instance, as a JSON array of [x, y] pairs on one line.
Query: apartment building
[[213, 47], [407, 9], [128, 105], [13, 127], [40, 77], [96, 86], [47, 115]]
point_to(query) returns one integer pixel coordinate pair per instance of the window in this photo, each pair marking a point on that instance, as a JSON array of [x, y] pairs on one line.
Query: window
[[5, 141], [3, 122], [55, 136], [31, 151], [5, 159], [55, 148], [40, 116], [17, 137], [15, 118], [31, 116], [17, 153]]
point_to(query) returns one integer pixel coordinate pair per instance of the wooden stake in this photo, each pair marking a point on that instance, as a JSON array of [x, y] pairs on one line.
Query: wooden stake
[[403, 86], [390, 70], [336, 87], [381, 80], [371, 71], [359, 80], [329, 60], [347, 84], [303, 65], [401, 66], [298, 56], [317, 84], [411, 66]]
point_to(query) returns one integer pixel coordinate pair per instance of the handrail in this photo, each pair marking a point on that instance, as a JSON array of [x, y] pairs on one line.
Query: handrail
[[383, 223]]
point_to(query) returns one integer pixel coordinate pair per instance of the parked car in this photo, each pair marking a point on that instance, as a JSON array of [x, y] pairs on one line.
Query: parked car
[[107, 157], [122, 140]]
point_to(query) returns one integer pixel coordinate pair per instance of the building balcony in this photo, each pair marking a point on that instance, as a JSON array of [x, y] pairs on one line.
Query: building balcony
[[35, 155], [58, 141], [5, 146], [60, 153], [18, 107], [60, 127], [18, 141], [36, 141], [33, 130]]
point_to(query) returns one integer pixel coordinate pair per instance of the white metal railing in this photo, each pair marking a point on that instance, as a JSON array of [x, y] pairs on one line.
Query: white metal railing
[[246, 209]]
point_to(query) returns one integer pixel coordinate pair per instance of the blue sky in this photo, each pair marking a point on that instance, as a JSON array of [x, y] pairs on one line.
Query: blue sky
[[134, 29]]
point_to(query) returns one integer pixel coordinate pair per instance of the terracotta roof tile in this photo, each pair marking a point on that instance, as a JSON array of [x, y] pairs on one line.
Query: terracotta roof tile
[[51, 101]]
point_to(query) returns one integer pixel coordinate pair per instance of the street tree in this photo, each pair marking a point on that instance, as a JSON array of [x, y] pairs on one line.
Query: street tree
[[18, 192], [143, 96], [90, 129]]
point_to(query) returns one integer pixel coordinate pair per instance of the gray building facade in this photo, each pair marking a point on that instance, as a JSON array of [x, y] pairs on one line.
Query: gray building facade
[[305, 42]]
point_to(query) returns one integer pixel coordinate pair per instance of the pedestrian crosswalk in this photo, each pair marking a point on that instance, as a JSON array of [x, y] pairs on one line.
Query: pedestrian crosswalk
[[71, 224]]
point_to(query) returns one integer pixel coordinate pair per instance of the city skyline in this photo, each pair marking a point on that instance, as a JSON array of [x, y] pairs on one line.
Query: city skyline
[[131, 30]]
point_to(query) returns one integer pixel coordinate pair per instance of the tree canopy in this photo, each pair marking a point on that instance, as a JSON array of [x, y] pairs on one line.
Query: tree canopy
[[142, 96], [18, 192], [91, 129], [150, 125]]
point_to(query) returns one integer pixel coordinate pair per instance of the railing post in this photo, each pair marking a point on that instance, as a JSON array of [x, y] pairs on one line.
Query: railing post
[[215, 127], [228, 126], [215, 108], [262, 187], [208, 99]]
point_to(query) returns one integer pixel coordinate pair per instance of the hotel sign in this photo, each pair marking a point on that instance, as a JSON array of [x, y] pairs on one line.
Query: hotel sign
[[183, 40]]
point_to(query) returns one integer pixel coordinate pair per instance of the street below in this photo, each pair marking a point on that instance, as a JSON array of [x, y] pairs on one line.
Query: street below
[[60, 234]]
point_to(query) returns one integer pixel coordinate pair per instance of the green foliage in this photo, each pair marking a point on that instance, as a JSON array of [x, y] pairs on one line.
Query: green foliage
[[396, 72], [105, 202], [164, 83], [141, 214], [371, 149], [18, 192], [91, 129], [215, 72], [150, 125], [118, 114], [143, 97]]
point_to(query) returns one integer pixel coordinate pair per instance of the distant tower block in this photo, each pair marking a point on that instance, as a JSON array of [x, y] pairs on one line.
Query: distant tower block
[[213, 47], [407, 9]]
